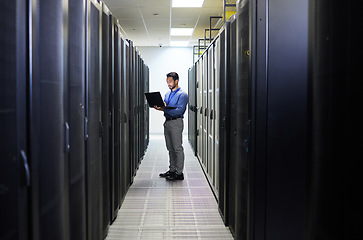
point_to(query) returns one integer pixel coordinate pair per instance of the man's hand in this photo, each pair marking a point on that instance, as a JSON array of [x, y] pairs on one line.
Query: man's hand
[[159, 108]]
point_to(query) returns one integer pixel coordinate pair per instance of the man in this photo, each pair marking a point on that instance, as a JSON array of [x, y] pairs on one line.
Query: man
[[176, 102]]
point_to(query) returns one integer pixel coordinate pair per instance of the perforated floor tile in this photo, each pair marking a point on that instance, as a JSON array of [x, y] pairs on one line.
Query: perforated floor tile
[[155, 208]]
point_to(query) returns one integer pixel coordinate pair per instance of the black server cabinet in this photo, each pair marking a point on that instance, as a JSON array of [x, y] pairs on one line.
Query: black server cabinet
[[132, 109], [107, 114], [49, 131], [125, 150], [76, 106], [279, 118], [146, 107], [136, 110], [232, 141], [93, 119], [192, 108], [14, 158], [127, 113], [286, 118], [116, 186], [336, 122], [223, 147], [243, 116]]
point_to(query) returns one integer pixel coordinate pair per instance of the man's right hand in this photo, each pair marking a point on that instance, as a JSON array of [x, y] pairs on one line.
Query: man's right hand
[[159, 108]]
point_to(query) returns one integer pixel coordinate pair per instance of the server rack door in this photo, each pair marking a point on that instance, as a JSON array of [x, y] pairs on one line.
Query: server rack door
[[190, 107], [47, 121], [147, 107], [258, 118], [286, 118], [193, 92], [116, 164], [231, 116], [107, 133], [334, 101], [222, 103], [216, 114], [205, 112], [199, 109], [136, 110], [127, 98], [131, 109], [144, 109], [76, 105], [209, 117], [243, 118], [191, 125], [141, 105], [94, 128], [125, 166], [14, 165], [137, 114]]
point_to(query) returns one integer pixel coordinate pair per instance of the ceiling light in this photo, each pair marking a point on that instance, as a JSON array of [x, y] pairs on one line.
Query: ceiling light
[[187, 3], [179, 43], [181, 31]]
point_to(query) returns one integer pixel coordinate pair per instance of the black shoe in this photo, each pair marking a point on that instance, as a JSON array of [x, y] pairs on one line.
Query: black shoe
[[175, 177], [166, 174]]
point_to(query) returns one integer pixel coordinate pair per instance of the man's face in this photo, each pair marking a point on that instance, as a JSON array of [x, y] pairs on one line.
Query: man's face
[[171, 83]]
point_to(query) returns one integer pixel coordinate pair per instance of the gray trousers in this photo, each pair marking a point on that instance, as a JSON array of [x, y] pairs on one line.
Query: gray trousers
[[173, 132]]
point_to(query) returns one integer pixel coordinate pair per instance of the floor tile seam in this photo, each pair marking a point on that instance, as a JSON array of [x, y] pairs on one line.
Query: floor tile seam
[[210, 210], [156, 197], [174, 227], [136, 224], [197, 187], [144, 212]]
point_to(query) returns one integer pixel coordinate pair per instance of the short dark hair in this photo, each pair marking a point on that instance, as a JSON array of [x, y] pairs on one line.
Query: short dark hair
[[174, 75]]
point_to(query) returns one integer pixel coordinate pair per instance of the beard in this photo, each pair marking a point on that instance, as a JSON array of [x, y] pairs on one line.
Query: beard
[[172, 86]]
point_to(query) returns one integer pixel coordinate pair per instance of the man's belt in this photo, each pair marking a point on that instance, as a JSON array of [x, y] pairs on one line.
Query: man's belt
[[173, 118]]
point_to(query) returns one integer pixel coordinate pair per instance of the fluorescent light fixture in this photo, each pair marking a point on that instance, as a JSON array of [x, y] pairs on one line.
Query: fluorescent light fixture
[[179, 43], [187, 3], [181, 31]]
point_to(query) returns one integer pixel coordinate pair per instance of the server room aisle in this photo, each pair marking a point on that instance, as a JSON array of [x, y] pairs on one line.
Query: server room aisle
[[155, 208]]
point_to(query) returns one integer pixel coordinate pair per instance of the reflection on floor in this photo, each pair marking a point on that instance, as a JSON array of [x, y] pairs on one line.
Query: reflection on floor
[[158, 209]]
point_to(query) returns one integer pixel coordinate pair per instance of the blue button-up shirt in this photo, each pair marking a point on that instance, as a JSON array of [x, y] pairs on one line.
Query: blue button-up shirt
[[177, 98]]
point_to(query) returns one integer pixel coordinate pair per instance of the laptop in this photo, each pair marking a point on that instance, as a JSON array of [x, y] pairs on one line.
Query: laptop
[[154, 98]]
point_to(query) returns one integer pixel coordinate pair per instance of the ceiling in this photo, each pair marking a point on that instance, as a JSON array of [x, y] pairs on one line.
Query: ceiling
[[148, 22]]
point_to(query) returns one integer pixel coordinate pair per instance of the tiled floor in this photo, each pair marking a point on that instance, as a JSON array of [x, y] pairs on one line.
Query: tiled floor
[[158, 209]]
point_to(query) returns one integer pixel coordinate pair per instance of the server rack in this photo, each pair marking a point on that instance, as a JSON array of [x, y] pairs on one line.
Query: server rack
[[255, 89], [117, 188], [280, 111], [14, 142], [49, 129], [59, 99], [192, 113], [209, 113], [222, 154], [146, 107], [231, 118], [94, 126], [76, 105], [205, 111], [107, 126], [243, 117], [334, 113], [199, 107], [127, 100], [132, 110], [125, 174]]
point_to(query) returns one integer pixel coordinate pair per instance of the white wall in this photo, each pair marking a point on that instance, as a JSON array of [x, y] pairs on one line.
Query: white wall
[[162, 60]]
